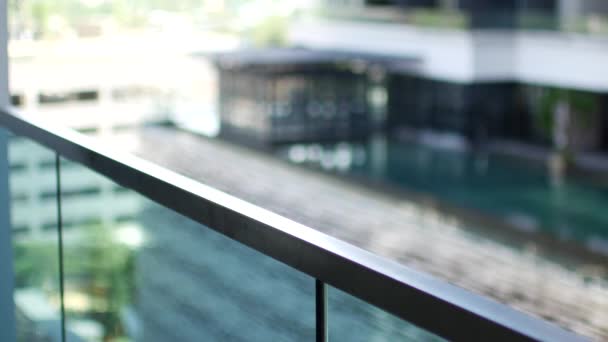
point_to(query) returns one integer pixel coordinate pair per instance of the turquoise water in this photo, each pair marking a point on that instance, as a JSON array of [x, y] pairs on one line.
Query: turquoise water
[[509, 188]]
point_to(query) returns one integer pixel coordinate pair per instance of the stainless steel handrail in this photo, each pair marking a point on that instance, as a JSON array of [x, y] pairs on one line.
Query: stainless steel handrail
[[429, 303]]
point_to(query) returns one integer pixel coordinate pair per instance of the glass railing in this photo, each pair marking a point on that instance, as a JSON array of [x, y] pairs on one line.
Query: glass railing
[[110, 247]]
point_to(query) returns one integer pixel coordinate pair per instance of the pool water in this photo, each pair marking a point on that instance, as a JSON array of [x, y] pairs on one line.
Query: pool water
[[509, 188]]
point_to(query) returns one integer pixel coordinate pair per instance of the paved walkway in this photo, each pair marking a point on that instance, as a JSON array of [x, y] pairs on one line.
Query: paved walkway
[[413, 234]]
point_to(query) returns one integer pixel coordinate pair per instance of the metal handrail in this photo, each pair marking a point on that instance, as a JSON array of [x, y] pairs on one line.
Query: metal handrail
[[429, 303]]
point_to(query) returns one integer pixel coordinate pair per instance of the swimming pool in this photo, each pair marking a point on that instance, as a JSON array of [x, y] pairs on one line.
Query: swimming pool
[[519, 192]]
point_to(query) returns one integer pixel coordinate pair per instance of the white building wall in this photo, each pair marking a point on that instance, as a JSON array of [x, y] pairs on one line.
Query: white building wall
[[547, 58], [446, 54], [567, 60]]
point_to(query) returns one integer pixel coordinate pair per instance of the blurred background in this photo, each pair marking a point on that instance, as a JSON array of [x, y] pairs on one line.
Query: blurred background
[[466, 139]]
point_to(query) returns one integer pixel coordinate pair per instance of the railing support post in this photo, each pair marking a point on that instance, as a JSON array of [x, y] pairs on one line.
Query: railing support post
[[60, 241], [7, 305], [321, 310]]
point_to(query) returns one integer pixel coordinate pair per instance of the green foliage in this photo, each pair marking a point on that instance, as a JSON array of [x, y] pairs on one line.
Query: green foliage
[[439, 19], [36, 14], [127, 14], [547, 103], [94, 264], [537, 21], [36, 264], [583, 102], [101, 266], [583, 105], [271, 32], [40, 12]]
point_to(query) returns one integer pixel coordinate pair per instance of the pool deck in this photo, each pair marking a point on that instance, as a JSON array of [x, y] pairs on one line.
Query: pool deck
[[411, 232]]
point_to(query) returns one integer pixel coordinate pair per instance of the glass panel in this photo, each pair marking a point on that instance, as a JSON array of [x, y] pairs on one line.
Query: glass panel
[[35, 244], [139, 271], [351, 319], [465, 150]]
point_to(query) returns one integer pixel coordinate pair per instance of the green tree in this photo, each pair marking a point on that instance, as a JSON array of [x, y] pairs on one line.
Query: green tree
[[272, 31], [103, 269], [94, 264]]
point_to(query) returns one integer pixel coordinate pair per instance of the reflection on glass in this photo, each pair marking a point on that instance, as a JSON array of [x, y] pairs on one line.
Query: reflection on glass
[[141, 272], [351, 319], [35, 246]]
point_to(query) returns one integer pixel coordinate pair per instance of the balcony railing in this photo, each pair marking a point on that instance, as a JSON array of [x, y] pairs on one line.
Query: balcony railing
[[428, 303]]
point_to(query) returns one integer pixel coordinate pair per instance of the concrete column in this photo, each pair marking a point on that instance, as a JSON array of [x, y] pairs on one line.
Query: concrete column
[[7, 305], [494, 48]]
